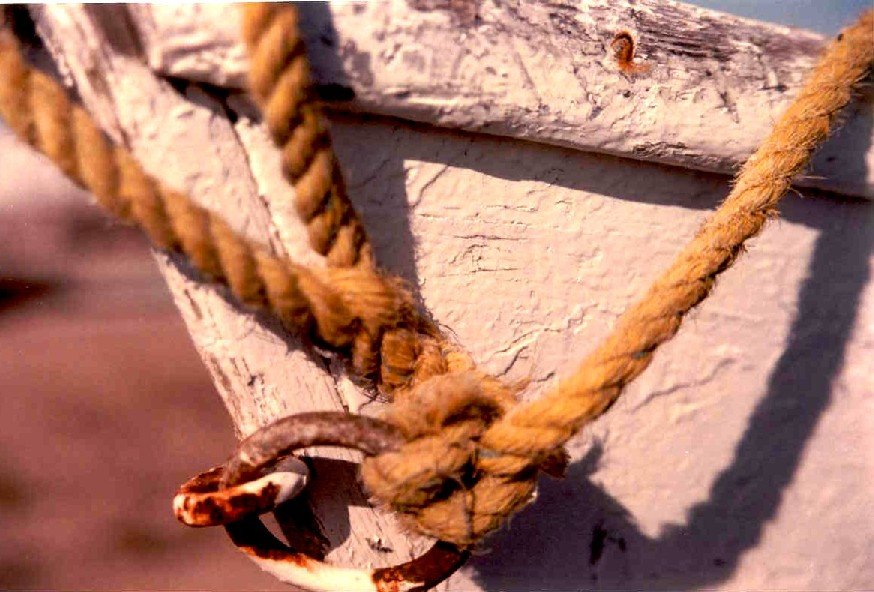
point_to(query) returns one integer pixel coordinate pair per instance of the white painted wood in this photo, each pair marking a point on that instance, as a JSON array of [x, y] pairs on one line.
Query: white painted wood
[[738, 461], [186, 139], [544, 71]]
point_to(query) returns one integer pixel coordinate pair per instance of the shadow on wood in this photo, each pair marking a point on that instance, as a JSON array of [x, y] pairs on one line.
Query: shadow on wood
[[540, 550]]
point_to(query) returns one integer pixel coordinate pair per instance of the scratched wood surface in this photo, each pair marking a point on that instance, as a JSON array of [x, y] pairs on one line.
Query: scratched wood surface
[[187, 138], [708, 470], [710, 88]]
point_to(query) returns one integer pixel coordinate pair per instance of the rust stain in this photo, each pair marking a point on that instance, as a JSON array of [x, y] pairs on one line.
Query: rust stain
[[205, 503], [283, 437], [282, 556], [428, 570], [624, 48]]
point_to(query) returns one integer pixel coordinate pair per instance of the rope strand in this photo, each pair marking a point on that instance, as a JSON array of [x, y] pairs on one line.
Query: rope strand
[[341, 308], [349, 307], [279, 78], [761, 183], [473, 453], [497, 477]]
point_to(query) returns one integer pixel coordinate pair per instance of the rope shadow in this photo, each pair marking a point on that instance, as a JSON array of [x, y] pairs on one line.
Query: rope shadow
[[676, 558], [596, 543], [551, 548]]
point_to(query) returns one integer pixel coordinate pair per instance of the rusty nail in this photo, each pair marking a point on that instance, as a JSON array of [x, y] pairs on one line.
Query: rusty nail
[[624, 48]]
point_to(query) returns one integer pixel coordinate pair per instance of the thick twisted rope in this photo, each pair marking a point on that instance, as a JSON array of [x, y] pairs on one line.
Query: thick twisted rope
[[279, 78], [348, 308], [494, 475], [473, 454]]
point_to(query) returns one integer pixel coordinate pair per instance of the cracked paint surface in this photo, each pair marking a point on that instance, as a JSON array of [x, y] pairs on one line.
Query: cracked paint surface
[[750, 430], [528, 254]]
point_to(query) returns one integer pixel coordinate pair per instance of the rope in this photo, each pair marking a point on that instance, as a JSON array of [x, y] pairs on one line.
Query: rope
[[473, 453], [495, 475], [279, 78], [348, 309]]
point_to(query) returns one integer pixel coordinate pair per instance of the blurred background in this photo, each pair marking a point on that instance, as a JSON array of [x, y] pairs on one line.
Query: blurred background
[[106, 407]]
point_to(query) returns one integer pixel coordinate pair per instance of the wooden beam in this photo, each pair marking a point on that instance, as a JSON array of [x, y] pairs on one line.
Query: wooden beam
[[186, 138], [527, 252], [708, 87]]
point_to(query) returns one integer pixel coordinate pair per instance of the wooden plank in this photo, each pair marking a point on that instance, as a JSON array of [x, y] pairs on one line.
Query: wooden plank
[[185, 137], [709, 89], [706, 472]]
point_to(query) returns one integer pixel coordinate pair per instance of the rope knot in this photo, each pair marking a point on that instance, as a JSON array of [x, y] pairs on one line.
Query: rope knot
[[443, 482]]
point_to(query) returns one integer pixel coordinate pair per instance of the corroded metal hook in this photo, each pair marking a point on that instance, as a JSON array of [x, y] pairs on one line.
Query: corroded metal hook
[[262, 474]]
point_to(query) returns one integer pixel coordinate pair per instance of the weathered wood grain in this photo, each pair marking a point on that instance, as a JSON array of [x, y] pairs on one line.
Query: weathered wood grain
[[544, 71], [708, 473], [185, 137]]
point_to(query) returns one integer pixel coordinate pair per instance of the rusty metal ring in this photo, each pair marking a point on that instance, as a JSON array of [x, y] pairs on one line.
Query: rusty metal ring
[[203, 501], [260, 451]]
